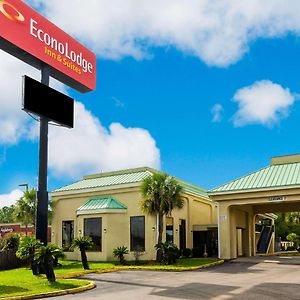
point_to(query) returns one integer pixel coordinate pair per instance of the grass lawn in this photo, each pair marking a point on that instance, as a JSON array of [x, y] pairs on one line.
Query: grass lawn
[[69, 267], [20, 281]]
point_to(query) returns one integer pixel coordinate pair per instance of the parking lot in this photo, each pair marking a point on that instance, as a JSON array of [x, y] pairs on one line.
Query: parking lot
[[246, 278]]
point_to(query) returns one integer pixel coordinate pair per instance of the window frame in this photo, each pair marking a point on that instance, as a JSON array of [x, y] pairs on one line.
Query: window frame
[[132, 248], [95, 248], [67, 248]]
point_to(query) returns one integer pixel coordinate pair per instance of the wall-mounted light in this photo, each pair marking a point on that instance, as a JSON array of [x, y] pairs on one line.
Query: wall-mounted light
[[79, 231], [176, 230], [104, 230], [153, 228]]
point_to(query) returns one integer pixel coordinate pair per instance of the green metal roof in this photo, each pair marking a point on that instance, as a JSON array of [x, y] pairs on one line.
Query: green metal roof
[[108, 179], [117, 178], [274, 176], [97, 203]]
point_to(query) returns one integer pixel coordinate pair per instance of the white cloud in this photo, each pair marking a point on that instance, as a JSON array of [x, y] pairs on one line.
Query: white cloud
[[87, 148], [263, 102], [11, 198], [217, 111], [216, 31], [90, 147], [13, 121], [15, 124]]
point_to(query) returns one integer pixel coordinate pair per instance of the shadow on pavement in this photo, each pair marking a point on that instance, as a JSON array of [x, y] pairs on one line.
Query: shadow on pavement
[[232, 268], [271, 291], [196, 291]]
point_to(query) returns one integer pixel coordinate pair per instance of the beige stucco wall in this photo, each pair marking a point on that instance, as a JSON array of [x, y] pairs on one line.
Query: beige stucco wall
[[196, 210]]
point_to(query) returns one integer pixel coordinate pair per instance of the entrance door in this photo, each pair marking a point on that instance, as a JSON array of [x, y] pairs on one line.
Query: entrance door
[[239, 242]]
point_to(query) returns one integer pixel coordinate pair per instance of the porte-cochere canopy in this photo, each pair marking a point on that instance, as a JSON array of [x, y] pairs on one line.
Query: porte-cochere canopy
[[275, 188]]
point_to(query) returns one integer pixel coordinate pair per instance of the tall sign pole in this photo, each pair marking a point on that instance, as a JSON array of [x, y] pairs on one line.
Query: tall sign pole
[[42, 193]]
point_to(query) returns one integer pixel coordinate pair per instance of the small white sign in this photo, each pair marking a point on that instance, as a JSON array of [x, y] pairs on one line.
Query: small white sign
[[222, 218], [278, 198], [6, 230]]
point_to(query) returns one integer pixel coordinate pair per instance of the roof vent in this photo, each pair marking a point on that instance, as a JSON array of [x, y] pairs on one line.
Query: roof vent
[[286, 159]]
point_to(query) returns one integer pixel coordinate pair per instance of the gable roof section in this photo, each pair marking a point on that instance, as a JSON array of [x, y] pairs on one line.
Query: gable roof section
[[99, 203], [107, 179], [119, 178], [275, 176]]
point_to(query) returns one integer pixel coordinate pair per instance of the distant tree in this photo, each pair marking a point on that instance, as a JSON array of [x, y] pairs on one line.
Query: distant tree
[[82, 243], [6, 214], [287, 223], [293, 217], [25, 209], [10, 242], [161, 194]]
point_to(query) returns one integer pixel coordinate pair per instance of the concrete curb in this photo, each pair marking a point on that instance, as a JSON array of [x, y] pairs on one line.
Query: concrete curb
[[80, 289], [132, 268], [219, 262]]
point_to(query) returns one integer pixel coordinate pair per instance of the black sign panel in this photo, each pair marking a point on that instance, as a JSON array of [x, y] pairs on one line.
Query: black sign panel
[[44, 101]]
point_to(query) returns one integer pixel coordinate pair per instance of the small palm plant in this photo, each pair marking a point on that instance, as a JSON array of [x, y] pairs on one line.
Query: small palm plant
[[119, 252], [82, 243], [27, 247], [45, 256]]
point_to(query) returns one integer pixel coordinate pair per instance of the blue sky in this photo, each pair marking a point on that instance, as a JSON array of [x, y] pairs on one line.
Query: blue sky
[[204, 111]]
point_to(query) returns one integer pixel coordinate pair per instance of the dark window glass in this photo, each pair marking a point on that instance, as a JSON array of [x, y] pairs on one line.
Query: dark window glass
[[182, 234], [93, 229], [67, 234], [137, 233], [169, 230]]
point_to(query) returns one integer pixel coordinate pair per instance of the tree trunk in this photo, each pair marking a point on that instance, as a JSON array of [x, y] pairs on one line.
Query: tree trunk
[[159, 239], [84, 259], [49, 270]]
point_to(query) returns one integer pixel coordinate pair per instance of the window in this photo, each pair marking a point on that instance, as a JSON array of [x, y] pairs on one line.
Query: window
[[93, 229], [137, 233], [169, 230], [67, 234], [182, 234]]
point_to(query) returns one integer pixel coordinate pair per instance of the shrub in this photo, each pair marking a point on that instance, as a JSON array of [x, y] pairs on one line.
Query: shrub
[[26, 251], [290, 248], [119, 252], [170, 252], [137, 254], [294, 238], [186, 252]]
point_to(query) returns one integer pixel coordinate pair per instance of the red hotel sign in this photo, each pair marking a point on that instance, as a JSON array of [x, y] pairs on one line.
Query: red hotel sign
[[29, 36]]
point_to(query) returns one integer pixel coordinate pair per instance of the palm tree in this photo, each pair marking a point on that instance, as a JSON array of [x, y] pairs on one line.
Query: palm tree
[[45, 256], [82, 243], [119, 252], [27, 247], [161, 194], [25, 208]]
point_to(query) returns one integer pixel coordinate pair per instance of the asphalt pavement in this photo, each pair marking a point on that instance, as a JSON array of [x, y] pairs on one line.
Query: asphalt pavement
[[259, 278]]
